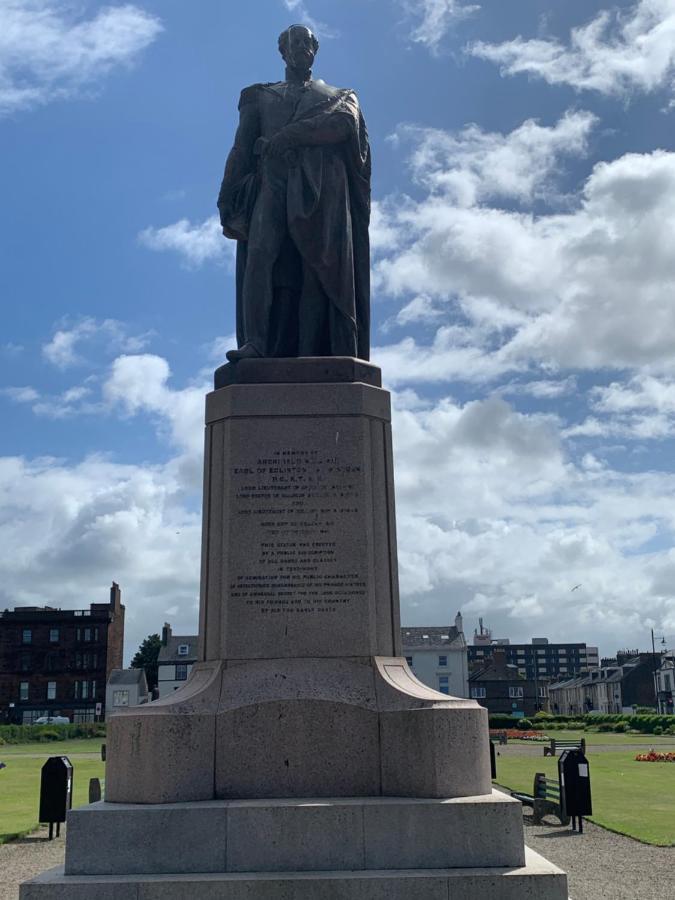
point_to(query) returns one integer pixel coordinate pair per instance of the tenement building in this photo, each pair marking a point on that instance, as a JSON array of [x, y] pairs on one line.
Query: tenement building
[[57, 661]]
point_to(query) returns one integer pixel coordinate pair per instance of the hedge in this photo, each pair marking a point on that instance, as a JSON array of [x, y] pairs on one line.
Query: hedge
[[617, 722], [29, 734]]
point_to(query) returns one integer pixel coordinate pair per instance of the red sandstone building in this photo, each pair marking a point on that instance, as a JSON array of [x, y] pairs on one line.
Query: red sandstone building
[[56, 662]]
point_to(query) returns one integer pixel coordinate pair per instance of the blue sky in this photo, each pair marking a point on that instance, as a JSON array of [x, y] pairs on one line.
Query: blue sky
[[523, 283]]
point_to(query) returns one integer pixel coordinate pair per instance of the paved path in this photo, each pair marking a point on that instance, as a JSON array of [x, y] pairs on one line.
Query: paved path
[[604, 866], [600, 865], [26, 858]]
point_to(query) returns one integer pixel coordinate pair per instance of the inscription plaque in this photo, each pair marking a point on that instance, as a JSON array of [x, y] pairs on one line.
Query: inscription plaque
[[299, 543]]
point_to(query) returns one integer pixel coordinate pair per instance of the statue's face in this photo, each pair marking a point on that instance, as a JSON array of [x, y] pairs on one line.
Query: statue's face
[[300, 52]]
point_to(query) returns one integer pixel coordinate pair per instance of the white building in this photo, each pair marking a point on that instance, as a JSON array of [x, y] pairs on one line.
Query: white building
[[665, 683], [177, 655], [438, 657], [125, 687]]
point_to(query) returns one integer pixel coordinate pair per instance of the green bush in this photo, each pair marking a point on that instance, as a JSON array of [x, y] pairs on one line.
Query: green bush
[[524, 724], [658, 729], [620, 727], [27, 734]]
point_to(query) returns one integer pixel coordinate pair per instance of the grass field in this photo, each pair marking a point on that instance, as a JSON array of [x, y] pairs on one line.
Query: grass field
[[633, 798], [20, 781]]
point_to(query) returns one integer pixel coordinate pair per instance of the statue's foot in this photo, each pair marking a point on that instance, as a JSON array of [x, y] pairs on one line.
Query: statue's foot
[[248, 351]]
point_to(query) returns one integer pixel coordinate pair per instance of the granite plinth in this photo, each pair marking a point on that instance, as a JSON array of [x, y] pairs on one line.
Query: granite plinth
[[536, 880], [295, 835], [303, 370], [301, 690], [299, 728]]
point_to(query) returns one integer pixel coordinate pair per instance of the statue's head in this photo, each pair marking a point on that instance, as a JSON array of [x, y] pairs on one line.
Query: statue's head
[[298, 46]]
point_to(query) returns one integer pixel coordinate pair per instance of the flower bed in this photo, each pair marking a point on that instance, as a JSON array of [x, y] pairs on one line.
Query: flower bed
[[655, 756], [515, 734]]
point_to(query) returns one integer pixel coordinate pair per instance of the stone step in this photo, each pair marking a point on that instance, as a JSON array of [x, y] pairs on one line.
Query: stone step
[[294, 835], [536, 880]]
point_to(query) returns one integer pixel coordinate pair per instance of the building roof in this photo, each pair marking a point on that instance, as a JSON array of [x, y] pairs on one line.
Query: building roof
[[430, 637], [170, 654], [127, 676]]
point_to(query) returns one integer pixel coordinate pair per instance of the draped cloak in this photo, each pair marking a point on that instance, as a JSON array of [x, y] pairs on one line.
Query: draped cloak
[[327, 197]]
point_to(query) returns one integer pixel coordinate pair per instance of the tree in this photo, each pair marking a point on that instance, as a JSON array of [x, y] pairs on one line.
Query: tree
[[146, 658]]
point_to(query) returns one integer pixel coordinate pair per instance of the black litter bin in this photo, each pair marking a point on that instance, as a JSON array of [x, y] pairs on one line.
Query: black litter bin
[[575, 786], [56, 792]]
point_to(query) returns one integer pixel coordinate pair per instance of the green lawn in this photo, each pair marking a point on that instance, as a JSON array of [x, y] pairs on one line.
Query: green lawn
[[633, 798], [20, 781]]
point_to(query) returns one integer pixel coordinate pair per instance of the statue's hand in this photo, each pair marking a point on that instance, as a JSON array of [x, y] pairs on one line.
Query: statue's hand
[[280, 143]]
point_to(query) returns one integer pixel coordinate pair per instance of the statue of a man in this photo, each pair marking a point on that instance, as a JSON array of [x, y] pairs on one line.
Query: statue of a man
[[296, 198]]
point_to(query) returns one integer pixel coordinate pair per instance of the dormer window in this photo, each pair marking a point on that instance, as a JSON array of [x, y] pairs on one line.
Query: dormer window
[[183, 649]]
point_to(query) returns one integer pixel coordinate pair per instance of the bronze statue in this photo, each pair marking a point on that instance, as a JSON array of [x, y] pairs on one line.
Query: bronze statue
[[296, 198]]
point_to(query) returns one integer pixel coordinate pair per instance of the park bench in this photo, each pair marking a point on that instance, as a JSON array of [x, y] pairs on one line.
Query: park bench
[[544, 800], [500, 737], [555, 745]]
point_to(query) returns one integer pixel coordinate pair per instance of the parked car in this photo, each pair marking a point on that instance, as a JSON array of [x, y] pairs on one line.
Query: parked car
[[52, 720]]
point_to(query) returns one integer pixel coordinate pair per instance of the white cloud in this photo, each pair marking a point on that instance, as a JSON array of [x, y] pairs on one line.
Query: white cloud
[[435, 18], [48, 51], [24, 394], [495, 518], [473, 165], [583, 284], [63, 348], [196, 244], [615, 53]]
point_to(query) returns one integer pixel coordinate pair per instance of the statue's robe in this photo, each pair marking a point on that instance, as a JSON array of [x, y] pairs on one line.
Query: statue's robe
[[310, 209]]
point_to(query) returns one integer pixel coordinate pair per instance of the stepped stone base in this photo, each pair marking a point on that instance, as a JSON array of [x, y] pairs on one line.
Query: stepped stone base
[[536, 880], [295, 835]]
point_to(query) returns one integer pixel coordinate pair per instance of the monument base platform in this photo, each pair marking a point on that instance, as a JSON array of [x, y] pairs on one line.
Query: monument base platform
[[536, 880]]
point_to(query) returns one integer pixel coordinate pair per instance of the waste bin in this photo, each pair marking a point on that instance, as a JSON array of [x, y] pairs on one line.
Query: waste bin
[[575, 786], [56, 792]]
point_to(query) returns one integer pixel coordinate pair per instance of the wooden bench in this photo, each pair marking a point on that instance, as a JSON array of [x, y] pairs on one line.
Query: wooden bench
[[555, 745], [500, 737], [544, 800]]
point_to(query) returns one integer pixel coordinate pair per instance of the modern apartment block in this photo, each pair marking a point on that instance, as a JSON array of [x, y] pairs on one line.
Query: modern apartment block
[[540, 660], [57, 661]]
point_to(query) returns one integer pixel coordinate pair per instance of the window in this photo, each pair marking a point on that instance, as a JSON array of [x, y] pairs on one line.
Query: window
[[51, 690], [542, 690], [183, 649], [87, 634], [23, 690], [181, 671], [409, 660], [25, 662], [96, 633], [27, 636], [85, 690], [478, 693], [515, 693], [443, 685], [53, 635], [78, 659], [442, 660], [93, 690], [120, 698]]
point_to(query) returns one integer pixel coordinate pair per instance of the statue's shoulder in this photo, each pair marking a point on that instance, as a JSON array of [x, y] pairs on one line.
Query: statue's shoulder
[[252, 93], [320, 87]]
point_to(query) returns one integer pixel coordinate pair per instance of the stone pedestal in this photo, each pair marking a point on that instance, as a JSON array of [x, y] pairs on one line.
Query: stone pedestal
[[301, 691]]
